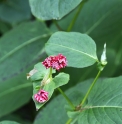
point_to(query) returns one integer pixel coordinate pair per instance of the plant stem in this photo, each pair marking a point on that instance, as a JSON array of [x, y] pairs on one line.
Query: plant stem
[[50, 73], [68, 100], [75, 17], [69, 121], [57, 25], [89, 90]]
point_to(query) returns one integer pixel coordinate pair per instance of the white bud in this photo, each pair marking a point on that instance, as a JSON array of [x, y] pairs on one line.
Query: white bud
[[103, 56]]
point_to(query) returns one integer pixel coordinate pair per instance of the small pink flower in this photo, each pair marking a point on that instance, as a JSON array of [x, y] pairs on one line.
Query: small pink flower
[[41, 96], [56, 62]]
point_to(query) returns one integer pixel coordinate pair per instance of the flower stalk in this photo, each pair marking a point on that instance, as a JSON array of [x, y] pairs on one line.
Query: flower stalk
[[89, 90], [75, 17], [67, 99]]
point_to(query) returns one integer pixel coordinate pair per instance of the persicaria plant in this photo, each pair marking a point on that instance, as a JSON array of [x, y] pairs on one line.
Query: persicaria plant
[[71, 51], [86, 103], [62, 55]]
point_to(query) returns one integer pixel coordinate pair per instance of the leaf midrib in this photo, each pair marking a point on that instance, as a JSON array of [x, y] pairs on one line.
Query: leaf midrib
[[74, 50], [92, 107], [8, 91], [23, 45]]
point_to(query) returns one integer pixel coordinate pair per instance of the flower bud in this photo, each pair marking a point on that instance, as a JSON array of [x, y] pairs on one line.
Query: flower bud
[[103, 56], [41, 96]]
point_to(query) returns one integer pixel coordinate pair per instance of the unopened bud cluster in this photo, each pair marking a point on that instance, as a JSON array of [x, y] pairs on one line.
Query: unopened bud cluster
[[56, 62], [41, 96]]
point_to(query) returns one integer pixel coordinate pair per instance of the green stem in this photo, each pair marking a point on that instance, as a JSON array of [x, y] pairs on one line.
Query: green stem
[[75, 18], [57, 25], [68, 100], [50, 73], [47, 77], [69, 121], [89, 90]]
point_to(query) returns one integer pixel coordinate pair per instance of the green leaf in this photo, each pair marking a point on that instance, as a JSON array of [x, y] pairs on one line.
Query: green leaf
[[23, 47], [8, 122], [79, 49], [48, 88], [14, 93], [61, 79], [104, 27], [103, 104], [104, 99], [51, 9], [13, 11], [109, 115], [99, 26], [20, 49]]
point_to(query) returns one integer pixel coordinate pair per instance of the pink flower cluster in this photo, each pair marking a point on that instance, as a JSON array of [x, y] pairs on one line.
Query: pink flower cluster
[[56, 62], [41, 96]]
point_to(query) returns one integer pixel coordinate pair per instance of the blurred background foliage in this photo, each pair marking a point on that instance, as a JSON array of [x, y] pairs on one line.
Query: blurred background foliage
[[22, 40]]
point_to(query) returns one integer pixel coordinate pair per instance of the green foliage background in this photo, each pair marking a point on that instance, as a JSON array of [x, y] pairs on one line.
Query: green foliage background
[[22, 45]]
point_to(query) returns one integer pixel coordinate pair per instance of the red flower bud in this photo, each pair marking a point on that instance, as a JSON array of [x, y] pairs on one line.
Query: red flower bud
[[41, 96]]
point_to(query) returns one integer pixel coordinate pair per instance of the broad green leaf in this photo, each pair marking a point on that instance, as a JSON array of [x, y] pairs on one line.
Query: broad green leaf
[[104, 27], [103, 105], [59, 80], [103, 115], [13, 11], [98, 26], [24, 47], [79, 49], [51, 9], [14, 93], [20, 48], [96, 20], [104, 99], [8, 122]]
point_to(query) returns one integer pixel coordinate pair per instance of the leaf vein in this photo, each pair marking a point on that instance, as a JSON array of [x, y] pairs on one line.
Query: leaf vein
[[75, 50]]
